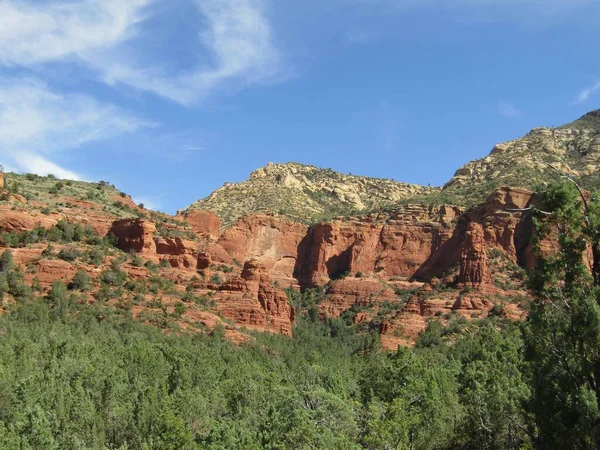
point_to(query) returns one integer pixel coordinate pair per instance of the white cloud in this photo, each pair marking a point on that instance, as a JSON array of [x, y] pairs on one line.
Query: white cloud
[[240, 40], [32, 32], [32, 163], [236, 33], [586, 93], [508, 110], [36, 122]]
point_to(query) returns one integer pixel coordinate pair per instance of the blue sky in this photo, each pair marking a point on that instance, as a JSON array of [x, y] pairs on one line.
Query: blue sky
[[170, 99]]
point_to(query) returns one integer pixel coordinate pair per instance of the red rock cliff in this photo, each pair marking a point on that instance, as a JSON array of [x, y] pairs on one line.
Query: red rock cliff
[[135, 235], [252, 301]]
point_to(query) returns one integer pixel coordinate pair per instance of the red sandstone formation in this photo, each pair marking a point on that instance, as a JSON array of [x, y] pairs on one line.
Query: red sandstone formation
[[202, 222], [252, 301], [217, 253], [474, 270], [135, 235], [50, 270], [181, 253], [345, 293], [384, 250], [19, 221], [275, 241], [396, 246]]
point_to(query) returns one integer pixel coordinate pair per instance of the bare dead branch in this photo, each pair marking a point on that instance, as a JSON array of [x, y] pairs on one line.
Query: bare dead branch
[[528, 209], [585, 204]]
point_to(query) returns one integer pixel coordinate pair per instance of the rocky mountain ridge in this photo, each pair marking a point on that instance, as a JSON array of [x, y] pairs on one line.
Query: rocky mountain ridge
[[305, 193], [308, 194], [541, 155]]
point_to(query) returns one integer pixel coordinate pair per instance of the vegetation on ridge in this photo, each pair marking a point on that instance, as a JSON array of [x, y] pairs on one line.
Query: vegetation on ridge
[[308, 194]]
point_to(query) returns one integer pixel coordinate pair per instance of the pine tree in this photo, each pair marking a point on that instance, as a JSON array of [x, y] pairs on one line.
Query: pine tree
[[563, 331]]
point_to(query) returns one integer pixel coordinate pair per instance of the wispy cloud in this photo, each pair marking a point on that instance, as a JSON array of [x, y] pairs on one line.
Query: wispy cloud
[[37, 32], [235, 33], [587, 92], [150, 202], [238, 36], [36, 123], [508, 110]]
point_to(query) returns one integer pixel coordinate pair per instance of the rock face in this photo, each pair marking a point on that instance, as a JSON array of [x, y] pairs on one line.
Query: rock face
[[343, 294], [203, 222], [1, 181], [274, 240], [19, 221], [474, 270], [49, 270], [380, 252], [397, 245], [253, 302], [135, 235], [181, 253]]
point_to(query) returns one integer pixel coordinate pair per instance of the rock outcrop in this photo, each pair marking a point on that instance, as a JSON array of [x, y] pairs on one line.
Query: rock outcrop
[[343, 294], [395, 245], [274, 240], [474, 270], [202, 222], [536, 158], [181, 253], [135, 235], [19, 221], [253, 302]]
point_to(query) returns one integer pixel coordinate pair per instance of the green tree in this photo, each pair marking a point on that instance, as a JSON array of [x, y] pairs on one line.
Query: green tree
[[563, 330], [57, 297], [411, 400], [492, 389]]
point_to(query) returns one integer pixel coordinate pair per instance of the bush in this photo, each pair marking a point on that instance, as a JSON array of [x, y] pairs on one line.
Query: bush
[[497, 310], [58, 297], [68, 254], [6, 261], [48, 252], [137, 261], [180, 309], [80, 281], [96, 256]]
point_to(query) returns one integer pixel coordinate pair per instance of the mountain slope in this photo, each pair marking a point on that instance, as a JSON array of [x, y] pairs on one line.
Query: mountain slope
[[541, 155], [305, 193], [309, 194]]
